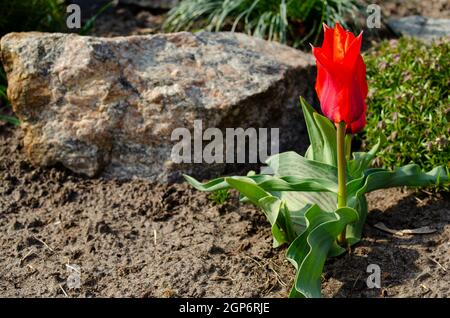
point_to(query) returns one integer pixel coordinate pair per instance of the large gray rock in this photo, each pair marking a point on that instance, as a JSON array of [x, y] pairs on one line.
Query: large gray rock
[[110, 105], [153, 4], [420, 27]]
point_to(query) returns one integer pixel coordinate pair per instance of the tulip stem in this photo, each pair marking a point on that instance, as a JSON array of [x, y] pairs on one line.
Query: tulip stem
[[341, 165]]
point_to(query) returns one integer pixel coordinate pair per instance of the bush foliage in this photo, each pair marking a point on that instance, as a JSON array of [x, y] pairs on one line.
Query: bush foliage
[[409, 102], [31, 15], [286, 21]]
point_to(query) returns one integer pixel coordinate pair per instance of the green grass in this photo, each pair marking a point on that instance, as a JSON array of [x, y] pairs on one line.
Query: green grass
[[409, 102], [288, 21], [219, 197]]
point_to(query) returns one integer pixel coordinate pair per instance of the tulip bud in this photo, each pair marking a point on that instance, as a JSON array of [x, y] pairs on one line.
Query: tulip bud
[[341, 78]]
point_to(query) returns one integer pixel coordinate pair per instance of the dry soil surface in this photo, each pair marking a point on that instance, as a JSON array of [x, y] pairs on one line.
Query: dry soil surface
[[146, 240]]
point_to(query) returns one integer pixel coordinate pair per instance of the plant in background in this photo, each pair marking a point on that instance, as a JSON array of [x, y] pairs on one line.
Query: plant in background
[[316, 203], [89, 25], [410, 102], [285, 21], [32, 15], [220, 196], [4, 99]]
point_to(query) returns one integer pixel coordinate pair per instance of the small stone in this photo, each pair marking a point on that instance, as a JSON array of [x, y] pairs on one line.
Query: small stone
[[422, 28]]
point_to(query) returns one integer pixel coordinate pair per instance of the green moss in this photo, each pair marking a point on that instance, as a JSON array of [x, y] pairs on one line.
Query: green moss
[[409, 102]]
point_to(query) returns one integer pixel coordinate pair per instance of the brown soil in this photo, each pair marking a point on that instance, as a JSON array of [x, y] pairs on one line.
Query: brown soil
[[126, 20], [145, 240]]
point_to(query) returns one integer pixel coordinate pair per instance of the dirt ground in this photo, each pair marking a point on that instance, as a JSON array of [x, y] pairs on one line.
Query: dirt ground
[[136, 239]]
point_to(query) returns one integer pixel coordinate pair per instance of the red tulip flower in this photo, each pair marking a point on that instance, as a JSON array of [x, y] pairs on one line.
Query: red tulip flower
[[341, 78], [342, 89]]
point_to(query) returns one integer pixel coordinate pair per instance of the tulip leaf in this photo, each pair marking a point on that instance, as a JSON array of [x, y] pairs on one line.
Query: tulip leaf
[[410, 175], [374, 179], [322, 136], [271, 207], [269, 204], [361, 161], [292, 164], [308, 252], [328, 132]]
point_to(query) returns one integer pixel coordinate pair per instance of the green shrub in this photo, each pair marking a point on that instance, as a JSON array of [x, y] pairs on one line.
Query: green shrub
[[31, 15], [409, 102], [285, 21]]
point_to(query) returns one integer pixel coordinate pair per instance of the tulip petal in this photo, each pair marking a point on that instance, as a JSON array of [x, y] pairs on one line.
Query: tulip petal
[[328, 39], [357, 125], [326, 90], [353, 52], [323, 59], [339, 39]]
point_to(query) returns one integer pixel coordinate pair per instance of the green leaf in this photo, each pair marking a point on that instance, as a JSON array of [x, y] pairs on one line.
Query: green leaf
[[213, 185], [292, 164], [374, 179], [295, 183], [328, 132], [247, 187], [10, 119], [322, 136], [220, 183], [308, 252], [354, 231], [410, 175], [315, 150], [361, 161], [271, 207]]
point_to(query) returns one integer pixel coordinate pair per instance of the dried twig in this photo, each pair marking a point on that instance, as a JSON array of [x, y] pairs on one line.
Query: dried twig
[[25, 257], [60, 286], [43, 243], [437, 263], [421, 230]]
